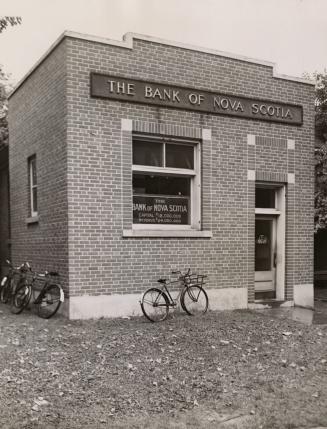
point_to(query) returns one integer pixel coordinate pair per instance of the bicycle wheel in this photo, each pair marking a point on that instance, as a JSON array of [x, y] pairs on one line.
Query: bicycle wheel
[[3, 282], [155, 305], [21, 298], [5, 291], [194, 300], [49, 301]]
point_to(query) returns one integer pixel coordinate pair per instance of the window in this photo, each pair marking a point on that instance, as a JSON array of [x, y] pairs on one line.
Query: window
[[166, 183], [265, 197], [32, 185]]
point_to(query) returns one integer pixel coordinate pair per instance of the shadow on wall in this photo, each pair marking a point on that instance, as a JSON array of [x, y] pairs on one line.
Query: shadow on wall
[[4, 210], [320, 263]]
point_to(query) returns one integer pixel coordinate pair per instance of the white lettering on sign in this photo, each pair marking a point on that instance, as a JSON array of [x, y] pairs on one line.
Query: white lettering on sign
[[160, 207], [227, 104], [178, 208], [196, 98], [163, 94], [121, 87], [275, 111], [138, 206]]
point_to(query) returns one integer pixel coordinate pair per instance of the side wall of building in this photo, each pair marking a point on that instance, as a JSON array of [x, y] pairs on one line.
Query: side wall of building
[[38, 126], [104, 265]]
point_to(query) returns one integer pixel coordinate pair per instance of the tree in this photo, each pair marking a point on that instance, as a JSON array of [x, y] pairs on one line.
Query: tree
[[321, 151], [4, 87], [9, 20]]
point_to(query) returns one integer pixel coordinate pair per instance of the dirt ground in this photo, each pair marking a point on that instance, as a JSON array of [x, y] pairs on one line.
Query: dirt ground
[[237, 369]]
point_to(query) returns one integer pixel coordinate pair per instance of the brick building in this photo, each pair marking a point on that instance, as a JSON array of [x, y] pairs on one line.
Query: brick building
[[129, 159]]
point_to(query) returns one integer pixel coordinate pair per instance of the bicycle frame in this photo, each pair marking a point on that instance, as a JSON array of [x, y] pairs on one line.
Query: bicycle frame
[[172, 302], [46, 281]]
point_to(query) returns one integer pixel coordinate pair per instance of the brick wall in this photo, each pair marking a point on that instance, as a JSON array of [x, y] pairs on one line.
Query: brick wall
[[101, 260], [37, 125]]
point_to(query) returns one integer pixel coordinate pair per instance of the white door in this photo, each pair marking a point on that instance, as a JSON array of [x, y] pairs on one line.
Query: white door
[[265, 254]]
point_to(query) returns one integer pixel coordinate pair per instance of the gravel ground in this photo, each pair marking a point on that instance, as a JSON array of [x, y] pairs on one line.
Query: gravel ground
[[227, 369]]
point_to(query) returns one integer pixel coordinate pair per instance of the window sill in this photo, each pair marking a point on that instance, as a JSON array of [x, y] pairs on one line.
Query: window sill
[[166, 233], [33, 219]]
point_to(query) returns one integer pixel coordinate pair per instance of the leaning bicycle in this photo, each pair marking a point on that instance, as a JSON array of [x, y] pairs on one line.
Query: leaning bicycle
[[47, 295], [156, 301], [15, 278]]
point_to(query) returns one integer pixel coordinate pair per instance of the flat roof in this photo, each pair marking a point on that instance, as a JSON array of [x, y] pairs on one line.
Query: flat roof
[[127, 43]]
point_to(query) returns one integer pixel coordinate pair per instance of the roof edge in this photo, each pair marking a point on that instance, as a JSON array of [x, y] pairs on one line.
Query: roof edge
[[127, 43]]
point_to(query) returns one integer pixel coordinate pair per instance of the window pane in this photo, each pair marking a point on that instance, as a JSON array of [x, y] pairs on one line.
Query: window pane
[[263, 231], [147, 153], [179, 156], [161, 185], [33, 171], [161, 199], [34, 199], [265, 198]]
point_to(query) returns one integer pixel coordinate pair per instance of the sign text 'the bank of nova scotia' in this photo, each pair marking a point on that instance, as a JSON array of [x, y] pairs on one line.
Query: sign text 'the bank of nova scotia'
[[164, 95]]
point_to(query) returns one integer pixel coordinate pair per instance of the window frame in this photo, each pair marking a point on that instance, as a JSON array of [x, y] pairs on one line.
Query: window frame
[[195, 182], [32, 167]]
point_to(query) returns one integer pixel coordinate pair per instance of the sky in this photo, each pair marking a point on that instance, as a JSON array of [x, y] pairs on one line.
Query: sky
[[290, 33]]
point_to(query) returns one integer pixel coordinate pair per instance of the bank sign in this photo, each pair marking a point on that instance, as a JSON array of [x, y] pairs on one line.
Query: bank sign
[[163, 95], [160, 210]]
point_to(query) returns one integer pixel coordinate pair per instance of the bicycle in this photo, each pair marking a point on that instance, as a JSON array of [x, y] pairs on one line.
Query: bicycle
[[155, 302], [47, 299], [13, 280]]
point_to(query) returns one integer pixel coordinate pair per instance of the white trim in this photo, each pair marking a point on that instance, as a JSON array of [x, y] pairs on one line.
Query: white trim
[[34, 219], [196, 201], [251, 139], [303, 295], [291, 178], [32, 185], [273, 212], [251, 175], [206, 133], [281, 243], [127, 43], [163, 170], [186, 233], [290, 144], [127, 125]]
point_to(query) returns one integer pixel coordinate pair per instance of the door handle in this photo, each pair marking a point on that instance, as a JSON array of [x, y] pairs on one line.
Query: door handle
[[275, 260]]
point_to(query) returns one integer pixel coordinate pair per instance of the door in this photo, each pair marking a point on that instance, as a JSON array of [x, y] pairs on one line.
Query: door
[[265, 254]]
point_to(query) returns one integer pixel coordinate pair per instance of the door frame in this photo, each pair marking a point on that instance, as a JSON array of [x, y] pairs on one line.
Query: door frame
[[279, 212]]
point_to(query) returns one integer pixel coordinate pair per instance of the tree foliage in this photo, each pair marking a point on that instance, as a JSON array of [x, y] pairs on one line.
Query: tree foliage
[[4, 84], [6, 21], [4, 90], [321, 151]]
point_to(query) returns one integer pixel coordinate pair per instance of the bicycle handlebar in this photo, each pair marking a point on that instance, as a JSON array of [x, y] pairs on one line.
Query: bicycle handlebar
[[46, 274], [25, 266]]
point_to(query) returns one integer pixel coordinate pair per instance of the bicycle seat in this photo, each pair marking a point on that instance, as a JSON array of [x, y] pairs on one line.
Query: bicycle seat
[[161, 280], [53, 273]]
